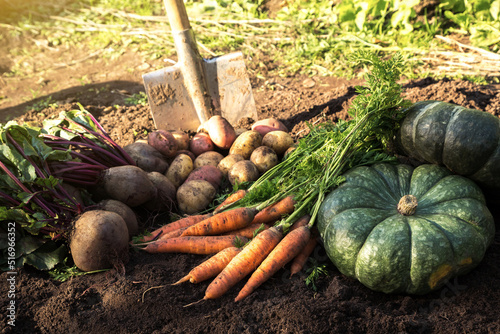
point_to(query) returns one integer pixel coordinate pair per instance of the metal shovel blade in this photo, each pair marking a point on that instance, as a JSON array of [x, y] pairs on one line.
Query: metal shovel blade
[[229, 87]]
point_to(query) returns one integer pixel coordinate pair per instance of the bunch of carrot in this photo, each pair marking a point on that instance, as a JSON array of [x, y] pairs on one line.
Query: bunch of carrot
[[226, 234]]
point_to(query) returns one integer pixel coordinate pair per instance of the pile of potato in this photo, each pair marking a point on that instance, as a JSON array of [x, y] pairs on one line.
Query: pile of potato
[[199, 166], [173, 170]]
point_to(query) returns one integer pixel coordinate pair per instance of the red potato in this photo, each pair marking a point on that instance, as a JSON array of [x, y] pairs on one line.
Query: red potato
[[200, 143], [221, 132], [164, 142], [267, 125], [208, 173], [181, 138]]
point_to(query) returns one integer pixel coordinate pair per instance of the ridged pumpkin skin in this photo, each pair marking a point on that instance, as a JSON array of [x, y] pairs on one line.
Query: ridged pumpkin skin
[[367, 238], [466, 141]]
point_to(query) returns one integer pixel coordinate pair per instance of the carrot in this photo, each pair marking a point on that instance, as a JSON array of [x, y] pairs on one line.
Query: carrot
[[222, 222], [211, 267], [275, 211], [302, 221], [283, 253], [300, 260], [245, 262], [183, 222], [194, 245], [248, 231], [231, 199], [173, 234]]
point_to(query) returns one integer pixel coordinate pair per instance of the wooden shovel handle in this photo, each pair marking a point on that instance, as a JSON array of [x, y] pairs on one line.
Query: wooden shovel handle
[[177, 15]]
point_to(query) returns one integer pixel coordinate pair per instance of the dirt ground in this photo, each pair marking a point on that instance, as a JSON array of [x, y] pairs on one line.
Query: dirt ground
[[143, 301]]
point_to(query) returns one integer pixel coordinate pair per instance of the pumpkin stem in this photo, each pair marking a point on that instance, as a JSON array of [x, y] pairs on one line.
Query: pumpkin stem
[[407, 205]]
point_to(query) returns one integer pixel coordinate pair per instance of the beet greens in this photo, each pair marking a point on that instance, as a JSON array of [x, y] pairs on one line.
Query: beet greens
[[38, 165]]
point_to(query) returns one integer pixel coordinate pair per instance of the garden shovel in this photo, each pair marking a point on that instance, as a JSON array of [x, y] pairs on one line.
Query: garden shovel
[[187, 94]]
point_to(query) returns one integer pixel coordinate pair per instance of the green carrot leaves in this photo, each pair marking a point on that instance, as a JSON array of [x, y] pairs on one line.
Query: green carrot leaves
[[316, 166]]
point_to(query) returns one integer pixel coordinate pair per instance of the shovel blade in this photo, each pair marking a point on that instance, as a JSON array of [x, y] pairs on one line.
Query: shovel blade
[[228, 85]]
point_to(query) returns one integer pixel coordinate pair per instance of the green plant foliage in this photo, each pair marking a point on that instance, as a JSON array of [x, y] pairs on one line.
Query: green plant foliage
[[139, 98], [310, 37]]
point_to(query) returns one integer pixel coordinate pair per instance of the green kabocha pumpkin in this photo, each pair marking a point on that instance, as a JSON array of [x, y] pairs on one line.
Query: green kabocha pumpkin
[[466, 141], [402, 230]]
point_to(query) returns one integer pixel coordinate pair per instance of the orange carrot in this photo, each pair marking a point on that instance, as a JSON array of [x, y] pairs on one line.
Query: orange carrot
[[173, 234], [183, 222], [231, 199], [283, 253], [194, 245], [245, 262], [275, 211], [300, 260], [211, 267], [248, 231], [302, 221], [222, 222]]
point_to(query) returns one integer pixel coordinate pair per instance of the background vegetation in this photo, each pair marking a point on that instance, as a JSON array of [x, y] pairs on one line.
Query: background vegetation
[[456, 37]]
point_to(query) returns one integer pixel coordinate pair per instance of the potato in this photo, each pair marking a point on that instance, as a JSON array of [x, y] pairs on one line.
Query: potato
[[191, 154], [243, 171], [209, 158], [246, 143], [194, 196], [200, 143], [181, 138], [99, 240], [147, 157], [264, 158], [128, 184], [179, 169], [208, 173], [124, 211], [279, 141], [165, 193], [164, 142], [221, 132], [227, 162], [267, 125]]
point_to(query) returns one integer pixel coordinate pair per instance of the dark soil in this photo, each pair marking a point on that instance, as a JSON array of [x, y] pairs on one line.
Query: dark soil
[[143, 301]]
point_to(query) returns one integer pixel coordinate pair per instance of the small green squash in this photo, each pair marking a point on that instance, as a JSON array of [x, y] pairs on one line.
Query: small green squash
[[466, 141], [403, 230]]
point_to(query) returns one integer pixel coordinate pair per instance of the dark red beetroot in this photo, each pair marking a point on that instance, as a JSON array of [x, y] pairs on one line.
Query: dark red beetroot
[[164, 142]]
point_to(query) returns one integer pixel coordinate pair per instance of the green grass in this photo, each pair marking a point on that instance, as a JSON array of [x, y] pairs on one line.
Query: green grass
[[310, 37], [139, 98], [42, 104]]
